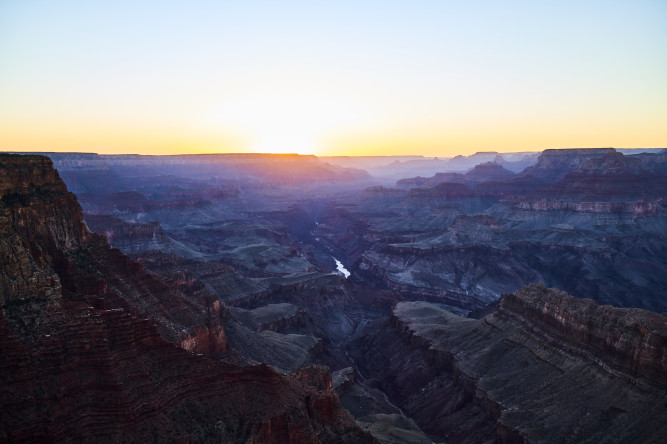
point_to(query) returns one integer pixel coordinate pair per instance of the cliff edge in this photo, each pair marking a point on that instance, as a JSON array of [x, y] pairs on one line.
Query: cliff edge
[[543, 367], [95, 348]]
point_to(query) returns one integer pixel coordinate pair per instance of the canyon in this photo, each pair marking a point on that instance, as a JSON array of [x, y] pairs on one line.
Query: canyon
[[542, 367], [97, 348], [591, 222], [285, 298]]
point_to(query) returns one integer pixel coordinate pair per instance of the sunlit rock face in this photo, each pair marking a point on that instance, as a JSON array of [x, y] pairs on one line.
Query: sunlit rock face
[[95, 348], [543, 366]]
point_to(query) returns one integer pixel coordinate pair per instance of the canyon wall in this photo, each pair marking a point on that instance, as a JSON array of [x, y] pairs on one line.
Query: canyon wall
[[96, 348], [591, 222], [544, 366]]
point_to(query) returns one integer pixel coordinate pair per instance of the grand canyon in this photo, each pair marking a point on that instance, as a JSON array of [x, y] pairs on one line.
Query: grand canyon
[[269, 298], [287, 222]]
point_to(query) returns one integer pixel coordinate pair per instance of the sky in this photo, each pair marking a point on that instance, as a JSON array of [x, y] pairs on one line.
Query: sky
[[436, 78]]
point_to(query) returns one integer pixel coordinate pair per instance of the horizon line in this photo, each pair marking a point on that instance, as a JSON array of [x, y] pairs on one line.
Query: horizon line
[[234, 153]]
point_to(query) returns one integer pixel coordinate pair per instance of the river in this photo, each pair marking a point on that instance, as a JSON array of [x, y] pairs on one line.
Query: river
[[341, 268]]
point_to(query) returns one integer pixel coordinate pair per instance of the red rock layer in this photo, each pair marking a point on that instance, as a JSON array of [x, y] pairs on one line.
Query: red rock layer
[[104, 375]]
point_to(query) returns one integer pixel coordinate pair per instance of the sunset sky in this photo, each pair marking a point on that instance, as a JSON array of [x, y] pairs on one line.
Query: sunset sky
[[436, 78]]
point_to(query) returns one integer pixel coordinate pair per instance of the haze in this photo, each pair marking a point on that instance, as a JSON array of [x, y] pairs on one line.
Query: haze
[[336, 78]]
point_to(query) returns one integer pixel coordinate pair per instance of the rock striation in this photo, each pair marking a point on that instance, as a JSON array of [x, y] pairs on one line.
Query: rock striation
[[630, 343], [542, 367], [96, 348]]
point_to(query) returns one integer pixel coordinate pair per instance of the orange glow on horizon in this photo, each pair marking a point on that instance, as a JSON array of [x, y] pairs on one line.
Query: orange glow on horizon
[[322, 125], [304, 122], [332, 78]]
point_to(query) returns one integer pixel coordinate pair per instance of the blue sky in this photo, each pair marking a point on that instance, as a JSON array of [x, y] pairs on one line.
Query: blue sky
[[436, 78]]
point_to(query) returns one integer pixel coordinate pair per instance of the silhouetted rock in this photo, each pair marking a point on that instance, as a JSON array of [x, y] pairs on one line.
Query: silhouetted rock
[[484, 172], [488, 172], [463, 163]]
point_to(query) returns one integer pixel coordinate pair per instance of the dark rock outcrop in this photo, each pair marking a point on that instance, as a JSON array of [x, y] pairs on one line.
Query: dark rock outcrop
[[628, 342], [487, 172], [95, 347], [543, 367]]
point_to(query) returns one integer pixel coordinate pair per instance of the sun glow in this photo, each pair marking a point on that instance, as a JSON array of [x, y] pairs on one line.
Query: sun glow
[[282, 122], [331, 78]]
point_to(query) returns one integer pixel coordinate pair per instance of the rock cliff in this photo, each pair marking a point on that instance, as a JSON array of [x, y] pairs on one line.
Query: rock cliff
[[96, 348], [543, 367]]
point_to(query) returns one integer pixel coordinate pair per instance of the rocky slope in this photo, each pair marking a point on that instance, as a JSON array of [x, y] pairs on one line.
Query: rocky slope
[[543, 367], [96, 348]]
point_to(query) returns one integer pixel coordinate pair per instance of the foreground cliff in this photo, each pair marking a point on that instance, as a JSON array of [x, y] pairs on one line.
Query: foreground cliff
[[543, 367], [97, 349]]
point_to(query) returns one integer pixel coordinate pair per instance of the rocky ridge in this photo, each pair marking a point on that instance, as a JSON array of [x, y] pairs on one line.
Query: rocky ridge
[[543, 367], [484, 172]]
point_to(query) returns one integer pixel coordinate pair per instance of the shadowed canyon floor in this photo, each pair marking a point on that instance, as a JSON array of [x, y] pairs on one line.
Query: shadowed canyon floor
[[223, 264]]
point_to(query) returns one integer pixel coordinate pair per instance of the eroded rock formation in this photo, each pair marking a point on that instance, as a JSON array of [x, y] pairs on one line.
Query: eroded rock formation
[[94, 346], [591, 222], [543, 367]]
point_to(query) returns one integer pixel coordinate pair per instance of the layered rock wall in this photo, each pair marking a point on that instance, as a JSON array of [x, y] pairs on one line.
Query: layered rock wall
[[631, 341], [97, 349], [542, 367]]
